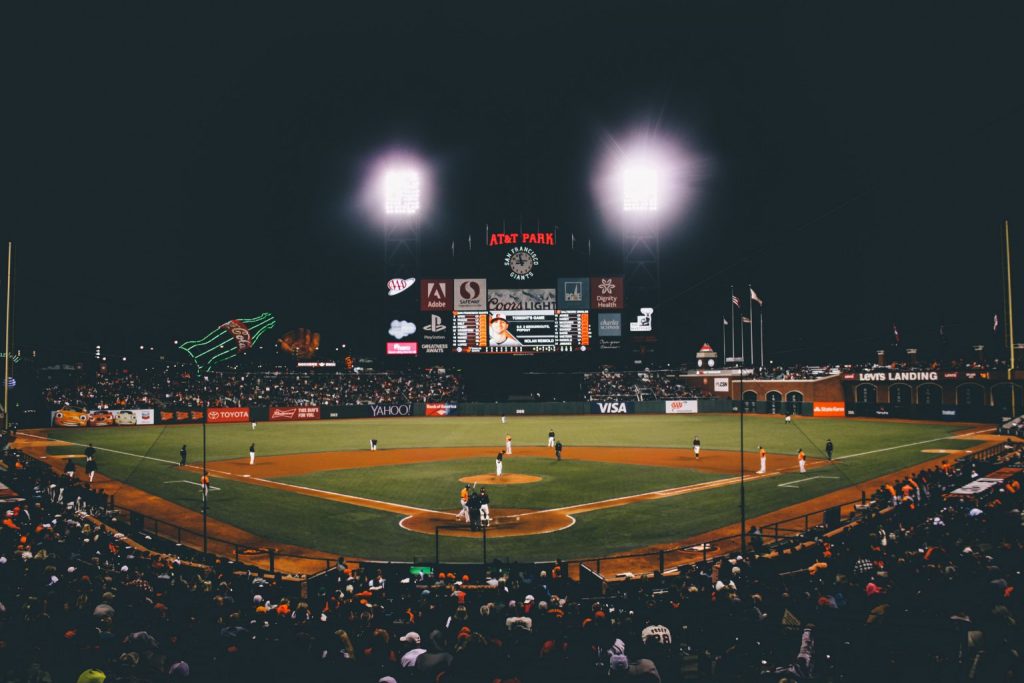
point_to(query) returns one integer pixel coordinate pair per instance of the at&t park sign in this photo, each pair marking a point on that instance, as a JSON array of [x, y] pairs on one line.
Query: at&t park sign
[[504, 239]]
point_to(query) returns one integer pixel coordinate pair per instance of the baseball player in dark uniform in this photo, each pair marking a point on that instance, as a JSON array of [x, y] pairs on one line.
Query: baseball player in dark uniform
[[828, 449], [696, 448], [183, 455], [90, 452], [252, 454], [474, 510], [558, 450], [499, 460], [485, 508], [90, 467]]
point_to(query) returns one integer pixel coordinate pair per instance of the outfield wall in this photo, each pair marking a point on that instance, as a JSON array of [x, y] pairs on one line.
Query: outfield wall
[[951, 413]]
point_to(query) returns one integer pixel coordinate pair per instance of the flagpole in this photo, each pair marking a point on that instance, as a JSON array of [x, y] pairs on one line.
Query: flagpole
[[723, 336], [751, 325], [732, 318], [762, 335]]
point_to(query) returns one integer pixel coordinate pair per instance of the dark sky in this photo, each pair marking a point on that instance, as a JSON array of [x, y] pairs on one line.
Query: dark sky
[[166, 171]]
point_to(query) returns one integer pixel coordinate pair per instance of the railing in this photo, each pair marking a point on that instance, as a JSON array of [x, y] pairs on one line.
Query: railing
[[271, 559]]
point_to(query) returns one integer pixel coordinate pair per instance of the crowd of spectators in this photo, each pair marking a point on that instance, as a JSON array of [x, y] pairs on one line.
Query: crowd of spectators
[[646, 385], [925, 590], [180, 386]]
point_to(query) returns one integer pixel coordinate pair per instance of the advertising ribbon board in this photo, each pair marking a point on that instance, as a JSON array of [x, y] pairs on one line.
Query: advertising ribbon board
[[829, 409], [295, 413], [227, 415], [391, 410], [440, 409], [680, 407]]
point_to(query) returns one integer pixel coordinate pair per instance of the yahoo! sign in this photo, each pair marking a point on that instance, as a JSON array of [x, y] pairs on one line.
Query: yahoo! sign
[[391, 410]]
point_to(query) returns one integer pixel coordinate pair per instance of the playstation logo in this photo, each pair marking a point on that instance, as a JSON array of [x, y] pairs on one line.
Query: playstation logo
[[435, 324]]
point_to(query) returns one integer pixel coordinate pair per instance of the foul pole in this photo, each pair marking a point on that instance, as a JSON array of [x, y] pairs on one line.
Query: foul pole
[[7, 336], [1009, 306]]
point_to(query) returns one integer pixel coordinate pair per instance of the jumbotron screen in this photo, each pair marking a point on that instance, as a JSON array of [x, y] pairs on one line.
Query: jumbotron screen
[[522, 332]]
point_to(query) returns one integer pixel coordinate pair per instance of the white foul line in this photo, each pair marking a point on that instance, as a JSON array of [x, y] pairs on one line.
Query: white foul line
[[797, 482]]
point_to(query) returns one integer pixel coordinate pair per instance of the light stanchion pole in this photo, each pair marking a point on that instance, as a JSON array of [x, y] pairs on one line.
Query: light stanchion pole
[[206, 487], [743, 486]]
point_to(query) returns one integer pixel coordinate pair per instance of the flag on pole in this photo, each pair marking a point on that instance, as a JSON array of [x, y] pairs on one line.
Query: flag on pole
[[896, 333], [746, 319], [755, 297], [995, 323], [724, 321], [735, 301]]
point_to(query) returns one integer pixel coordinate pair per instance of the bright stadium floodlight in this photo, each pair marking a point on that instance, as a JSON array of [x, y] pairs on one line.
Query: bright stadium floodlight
[[644, 180], [640, 187], [401, 192]]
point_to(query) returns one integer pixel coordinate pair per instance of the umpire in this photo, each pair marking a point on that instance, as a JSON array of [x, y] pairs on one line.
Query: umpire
[[474, 504]]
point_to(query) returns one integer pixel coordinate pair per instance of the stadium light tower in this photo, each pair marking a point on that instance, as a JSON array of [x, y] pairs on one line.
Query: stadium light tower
[[395, 198]]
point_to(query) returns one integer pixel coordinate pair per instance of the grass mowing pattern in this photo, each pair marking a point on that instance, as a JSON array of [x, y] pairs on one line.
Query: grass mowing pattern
[[435, 485], [336, 527]]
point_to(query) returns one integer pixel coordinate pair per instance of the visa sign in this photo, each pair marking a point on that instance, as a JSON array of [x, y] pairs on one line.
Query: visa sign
[[610, 407]]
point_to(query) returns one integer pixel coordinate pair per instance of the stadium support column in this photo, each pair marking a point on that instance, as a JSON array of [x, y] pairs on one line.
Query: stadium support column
[[1009, 307]]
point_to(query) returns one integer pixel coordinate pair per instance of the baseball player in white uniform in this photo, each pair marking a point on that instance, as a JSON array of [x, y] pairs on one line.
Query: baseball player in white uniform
[[764, 460], [696, 448], [252, 454], [254, 426], [551, 438], [498, 461], [508, 444]]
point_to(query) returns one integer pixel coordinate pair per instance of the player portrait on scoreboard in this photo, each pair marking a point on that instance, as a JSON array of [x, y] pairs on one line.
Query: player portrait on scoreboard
[[498, 334]]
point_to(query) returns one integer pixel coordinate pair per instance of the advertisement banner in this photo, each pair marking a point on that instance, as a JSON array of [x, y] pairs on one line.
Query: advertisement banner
[[521, 300], [611, 407], [441, 409], [227, 414], [181, 416], [295, 413], [680, 407], [722, 384], [402, 348], [72, 417], [434, 333], [391, 410], [829, 409], [609, 324], [435, 295], [606, 293], [573, 293], [471, 294]]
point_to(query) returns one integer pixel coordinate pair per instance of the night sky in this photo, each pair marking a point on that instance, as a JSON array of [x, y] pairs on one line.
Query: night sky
[[167, 171]]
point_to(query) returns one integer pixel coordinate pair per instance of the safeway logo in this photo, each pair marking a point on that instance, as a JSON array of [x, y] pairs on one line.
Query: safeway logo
[[608, 408], [469, 290], [399, 284]]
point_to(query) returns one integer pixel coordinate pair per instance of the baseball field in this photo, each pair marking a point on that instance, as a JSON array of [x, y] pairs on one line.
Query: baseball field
[[625, 482]]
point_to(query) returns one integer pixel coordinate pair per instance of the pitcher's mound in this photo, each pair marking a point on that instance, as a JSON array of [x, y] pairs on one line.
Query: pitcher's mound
[[494, 480]]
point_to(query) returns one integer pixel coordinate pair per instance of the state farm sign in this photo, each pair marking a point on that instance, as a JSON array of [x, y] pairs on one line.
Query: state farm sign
[[829, 409], [227, 415], [295, 413]]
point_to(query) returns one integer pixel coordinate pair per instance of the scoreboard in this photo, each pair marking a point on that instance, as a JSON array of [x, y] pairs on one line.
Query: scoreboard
[[520, 332]]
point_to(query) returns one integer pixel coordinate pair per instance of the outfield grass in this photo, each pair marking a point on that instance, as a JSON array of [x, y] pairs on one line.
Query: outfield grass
[[145, 456]]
